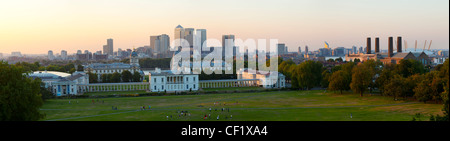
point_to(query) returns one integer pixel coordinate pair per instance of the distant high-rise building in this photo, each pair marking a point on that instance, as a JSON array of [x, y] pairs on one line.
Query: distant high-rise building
[[306, 49], [354, 49], [281, 48], [179, 34], [224, 39], [50, 55], [17, 54], [63, 55], [361, 50], [189, 36], [202, 33], [299, 51], [79, 52], [110, 47], [160, 44]]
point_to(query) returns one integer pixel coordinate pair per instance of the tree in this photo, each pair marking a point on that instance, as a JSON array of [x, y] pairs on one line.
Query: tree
[[408, 67], [340, 81], [361, 79], [104, 78], [115, 78], [395, 87], [92, 77], [20, 99], [309, 74], [136, 77], [126, 76], [325, 78], [422, 91], [385, 76], [80, 67]]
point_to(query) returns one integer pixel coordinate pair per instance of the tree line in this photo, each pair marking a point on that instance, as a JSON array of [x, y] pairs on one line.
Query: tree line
[[407, 79], [125, 76]]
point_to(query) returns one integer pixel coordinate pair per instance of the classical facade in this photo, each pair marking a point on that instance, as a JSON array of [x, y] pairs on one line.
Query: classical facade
[[166, 81], [99, 68], [61, 84], [266, 79]]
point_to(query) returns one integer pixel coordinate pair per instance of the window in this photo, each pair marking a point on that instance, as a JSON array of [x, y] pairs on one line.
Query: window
[[155, 81], [155, 87], [187, 79], [162, 87], [187, 86], [194, 86], [162, 79]]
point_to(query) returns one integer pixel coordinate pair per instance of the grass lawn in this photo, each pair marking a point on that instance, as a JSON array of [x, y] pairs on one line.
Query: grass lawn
[[113, 92], [233, 89], [262, 106]]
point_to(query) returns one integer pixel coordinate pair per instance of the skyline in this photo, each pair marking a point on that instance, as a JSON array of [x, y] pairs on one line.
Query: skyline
[[34, 27]]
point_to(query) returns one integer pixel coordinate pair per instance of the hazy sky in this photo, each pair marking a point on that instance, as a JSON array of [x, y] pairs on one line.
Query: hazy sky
[[36, 26]]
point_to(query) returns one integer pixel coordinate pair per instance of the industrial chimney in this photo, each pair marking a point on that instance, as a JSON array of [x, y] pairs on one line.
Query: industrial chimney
[[399, 44], [391, 47], [377, 45], [369, 48]]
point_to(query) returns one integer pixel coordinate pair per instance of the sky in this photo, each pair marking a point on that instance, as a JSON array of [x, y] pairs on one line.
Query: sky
[[34, 27]]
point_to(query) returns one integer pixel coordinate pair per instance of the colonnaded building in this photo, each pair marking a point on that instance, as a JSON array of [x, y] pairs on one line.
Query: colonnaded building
[[99, 68]]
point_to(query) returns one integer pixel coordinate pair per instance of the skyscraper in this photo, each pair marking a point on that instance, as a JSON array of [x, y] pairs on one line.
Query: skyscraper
[[50, 55], [306, 49], [189, 36], [179, 34], [160, 43], [63, 54], [108, 48], [202, 33], [299, 51], [224, 39]]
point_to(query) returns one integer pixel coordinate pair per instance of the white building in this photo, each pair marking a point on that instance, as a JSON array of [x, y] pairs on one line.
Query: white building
[[266, 79], [60, 83], [166, 81], [99, 68]]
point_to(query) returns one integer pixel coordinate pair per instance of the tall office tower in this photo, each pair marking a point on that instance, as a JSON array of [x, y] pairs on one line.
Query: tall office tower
[[119, 52], [281, 49], [110, 48], [189, 36], [306, 49], [224, 38], [179, 34], [152, 42], [160, 44], [63, 54], [354, 50], [202, 33], [105, 49], [78, 51], [361, 50], [299, 51], [50, 55]]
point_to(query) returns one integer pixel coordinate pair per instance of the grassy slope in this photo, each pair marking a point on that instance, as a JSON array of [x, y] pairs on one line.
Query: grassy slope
[[262, 106]]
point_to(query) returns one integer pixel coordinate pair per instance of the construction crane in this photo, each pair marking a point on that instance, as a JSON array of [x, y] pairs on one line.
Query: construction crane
[[424, 45], [416, 47], [430, 45]]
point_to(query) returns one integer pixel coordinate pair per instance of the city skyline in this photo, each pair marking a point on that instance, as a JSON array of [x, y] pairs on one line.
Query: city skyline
[[36, 27]]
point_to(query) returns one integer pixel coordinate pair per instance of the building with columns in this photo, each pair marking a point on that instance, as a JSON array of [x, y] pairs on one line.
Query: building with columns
[[166, 81], [266, 79], [99, 68]]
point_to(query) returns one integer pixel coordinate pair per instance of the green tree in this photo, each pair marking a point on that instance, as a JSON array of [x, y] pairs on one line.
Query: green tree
[[126, 76], [20, 99], [309, 74], [385, 76], [325, 78], [104, 78], [340, 81], [395, 87], [80, 67], [136, 77], [408, 67], [361, 79], [92, 77], [115, 78]]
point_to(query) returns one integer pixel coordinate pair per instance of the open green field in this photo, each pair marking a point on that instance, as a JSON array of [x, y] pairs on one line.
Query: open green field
[[233, 89], [262, 106]]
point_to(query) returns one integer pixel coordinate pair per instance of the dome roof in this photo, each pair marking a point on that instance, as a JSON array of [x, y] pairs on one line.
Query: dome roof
[[134, 54]]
